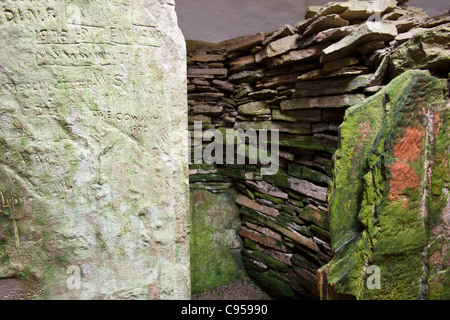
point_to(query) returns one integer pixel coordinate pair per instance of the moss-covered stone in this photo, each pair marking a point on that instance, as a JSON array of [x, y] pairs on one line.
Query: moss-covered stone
[[279, 179], [306, 173], [213, 186], [378, 212], [212, 177], [320, 231], [266, 259], [315, 216], [272, 284], [427, 49], [250, 244], [302, 260], [438, 203], [215, 243], [308, 143], [270, 198], [281, 225], [288, 209]]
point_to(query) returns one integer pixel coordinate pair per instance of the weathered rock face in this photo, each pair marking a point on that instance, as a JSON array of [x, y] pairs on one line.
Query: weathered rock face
[[92, 128], [390, 203]]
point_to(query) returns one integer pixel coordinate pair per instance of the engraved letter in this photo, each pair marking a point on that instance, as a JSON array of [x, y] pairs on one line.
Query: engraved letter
[[74, 281], [374, 281]]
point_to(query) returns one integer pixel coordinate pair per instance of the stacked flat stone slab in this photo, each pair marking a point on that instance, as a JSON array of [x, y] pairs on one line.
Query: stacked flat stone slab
[[92, 127], [299, 80]]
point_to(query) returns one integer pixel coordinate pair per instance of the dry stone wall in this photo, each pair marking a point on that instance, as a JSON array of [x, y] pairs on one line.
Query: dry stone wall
[[299, 80]]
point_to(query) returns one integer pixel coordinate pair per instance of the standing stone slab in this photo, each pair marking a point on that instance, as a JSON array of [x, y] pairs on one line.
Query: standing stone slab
[[92, 127], [388, 203]]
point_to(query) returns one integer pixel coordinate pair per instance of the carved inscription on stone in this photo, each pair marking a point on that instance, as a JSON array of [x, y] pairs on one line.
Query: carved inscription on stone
[[92, 127]]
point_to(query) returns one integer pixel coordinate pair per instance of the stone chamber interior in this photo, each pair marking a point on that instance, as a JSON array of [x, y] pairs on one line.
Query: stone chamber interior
[[354, 137], [99, 101]]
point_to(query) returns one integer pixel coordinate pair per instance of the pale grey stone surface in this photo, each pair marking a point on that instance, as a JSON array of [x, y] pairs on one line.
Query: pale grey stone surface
[[93, 149]]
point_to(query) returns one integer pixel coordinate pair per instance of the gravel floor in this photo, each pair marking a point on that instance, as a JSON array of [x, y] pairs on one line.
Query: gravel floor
[[243, 289]]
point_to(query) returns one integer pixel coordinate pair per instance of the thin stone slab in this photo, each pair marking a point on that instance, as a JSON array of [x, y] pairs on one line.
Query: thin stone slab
[[371, 46], [297, 115], [335, 34], [297, 56], [261, 238], [309, 189], [217, 72], [285, 31], [339, 101], [329, 35], [325, 23], [344, 72], [242, 43], [254, 108], [331, 86], [223, 85], [203, 57], [275, 82], [368, 31], [244, 201], [340, 63], [329, 8], [282, 126], [268, 189], [207, 109], [277, 48], [242, 63], [311, 11]]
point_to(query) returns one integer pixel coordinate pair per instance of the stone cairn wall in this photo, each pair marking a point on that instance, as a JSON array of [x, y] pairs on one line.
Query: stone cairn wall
[[299, 80]]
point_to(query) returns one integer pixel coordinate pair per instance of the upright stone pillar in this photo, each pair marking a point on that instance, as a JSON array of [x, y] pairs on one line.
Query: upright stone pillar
[[93, 151]]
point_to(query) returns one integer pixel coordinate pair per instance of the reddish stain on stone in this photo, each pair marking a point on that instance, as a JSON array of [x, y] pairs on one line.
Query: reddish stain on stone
[[403, 176], [436, 259], [407, 150], [437, 123], [364, 130], [410, 146]]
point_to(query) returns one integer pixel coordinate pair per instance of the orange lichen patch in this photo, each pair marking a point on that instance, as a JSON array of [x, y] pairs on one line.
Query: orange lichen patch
[[403, 176], [437, 123], [411, 145], [407, 150]]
